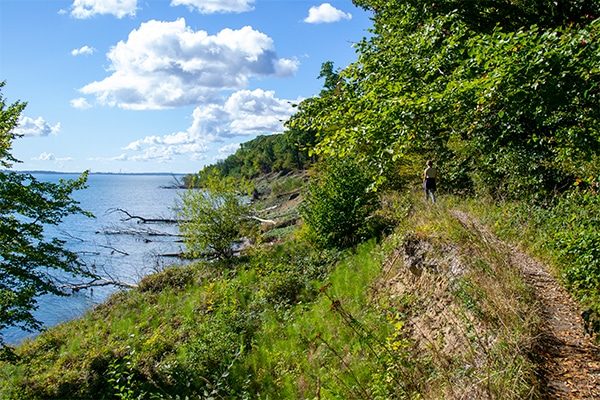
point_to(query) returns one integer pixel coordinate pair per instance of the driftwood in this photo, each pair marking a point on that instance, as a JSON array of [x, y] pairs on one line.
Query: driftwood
[[98, 282], [143, 220], [261, 220], [269, 208], [141, 232], [114, 250], [172, 255]]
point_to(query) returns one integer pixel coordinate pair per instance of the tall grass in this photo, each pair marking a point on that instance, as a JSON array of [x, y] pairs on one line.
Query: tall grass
[[565, 234], [321, 350], [433, 311]]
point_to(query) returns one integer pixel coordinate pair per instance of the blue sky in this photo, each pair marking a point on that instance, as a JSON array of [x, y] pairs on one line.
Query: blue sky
[[162, 85]]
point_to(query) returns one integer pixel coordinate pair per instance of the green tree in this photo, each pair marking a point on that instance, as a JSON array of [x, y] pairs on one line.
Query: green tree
[[216, 216], [30, 264], [331, 77], [504, 95]]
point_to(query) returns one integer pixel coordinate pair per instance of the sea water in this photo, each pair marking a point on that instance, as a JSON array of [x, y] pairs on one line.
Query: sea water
[[116, 248]]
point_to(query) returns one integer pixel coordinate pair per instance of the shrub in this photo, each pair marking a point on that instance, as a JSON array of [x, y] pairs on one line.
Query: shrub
[[338, 203], [215, 217], [177, 277], [574, 228]]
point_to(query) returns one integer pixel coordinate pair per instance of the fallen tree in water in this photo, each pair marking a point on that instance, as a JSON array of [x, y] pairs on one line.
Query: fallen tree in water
[[140, 219]]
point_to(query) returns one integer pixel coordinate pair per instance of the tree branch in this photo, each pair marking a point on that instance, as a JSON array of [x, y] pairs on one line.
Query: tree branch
[[114, 250], [141, 219], [99, 282]]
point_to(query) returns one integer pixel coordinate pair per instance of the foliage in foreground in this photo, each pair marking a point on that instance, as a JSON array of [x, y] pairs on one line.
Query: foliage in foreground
[[180, 333], [287, 323], [31, 264]]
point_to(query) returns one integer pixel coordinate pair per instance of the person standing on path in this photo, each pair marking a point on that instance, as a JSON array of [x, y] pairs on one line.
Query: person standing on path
[[429, 177]]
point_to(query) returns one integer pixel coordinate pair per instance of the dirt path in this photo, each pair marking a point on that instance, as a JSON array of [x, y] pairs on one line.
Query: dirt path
[[569, 362]]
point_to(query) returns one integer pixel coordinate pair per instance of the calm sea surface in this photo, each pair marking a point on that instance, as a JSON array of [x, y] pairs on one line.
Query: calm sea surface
[[123, 250]]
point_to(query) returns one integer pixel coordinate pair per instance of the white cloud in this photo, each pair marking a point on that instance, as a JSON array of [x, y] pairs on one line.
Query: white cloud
[[45, 157], [51, 157], [256, 112], [84, 50], [228, 149], [83, 9], [168, 64], [36, 127], [325, 13], [216, 6], [80, 103], [246, 112]]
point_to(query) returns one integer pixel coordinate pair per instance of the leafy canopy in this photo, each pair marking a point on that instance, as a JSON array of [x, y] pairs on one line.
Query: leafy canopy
[[504, 95]]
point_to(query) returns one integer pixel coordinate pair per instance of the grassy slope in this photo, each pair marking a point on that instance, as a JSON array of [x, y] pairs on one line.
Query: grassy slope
[[566, 236], [431, 312]]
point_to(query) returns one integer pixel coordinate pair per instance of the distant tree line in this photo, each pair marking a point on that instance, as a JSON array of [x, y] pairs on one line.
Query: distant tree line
[[284, 152]]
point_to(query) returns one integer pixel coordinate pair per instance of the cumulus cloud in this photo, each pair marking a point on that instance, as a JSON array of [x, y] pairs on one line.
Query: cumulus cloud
[[325, 13], [83, 9], [36, 127], [51, 157], [216, 6], [245, 112], [45, 157], [228, 149], [255, 112], [84, 50], [168, 64], [80, 103]]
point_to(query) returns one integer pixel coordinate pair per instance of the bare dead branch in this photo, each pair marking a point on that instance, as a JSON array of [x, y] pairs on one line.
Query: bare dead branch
[[269, 208], [99, 282], [262, 221], [141, 219], [114, 250], [70, 236], [141, 232]]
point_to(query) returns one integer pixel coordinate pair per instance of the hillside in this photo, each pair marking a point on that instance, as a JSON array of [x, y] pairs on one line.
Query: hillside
[[441, 308], [349, 284]]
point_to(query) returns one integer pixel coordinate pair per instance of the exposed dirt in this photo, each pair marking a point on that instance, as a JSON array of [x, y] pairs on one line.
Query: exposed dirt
[[427, 271], [568, 360]]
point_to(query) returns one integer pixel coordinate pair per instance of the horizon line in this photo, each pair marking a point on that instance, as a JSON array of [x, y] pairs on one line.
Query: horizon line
[[99, 172]]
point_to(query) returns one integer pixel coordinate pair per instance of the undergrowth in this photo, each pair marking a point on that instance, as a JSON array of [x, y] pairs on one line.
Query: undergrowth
[[431, 311], [466, 310], [566, 234]]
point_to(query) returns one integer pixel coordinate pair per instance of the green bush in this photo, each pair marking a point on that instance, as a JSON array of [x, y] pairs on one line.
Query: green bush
[[567, 232], [216, 217], [338, 204], [575, 224], [177, 277]]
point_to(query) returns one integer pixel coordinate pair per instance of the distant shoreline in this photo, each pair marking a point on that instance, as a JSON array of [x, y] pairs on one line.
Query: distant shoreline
[[103, 173]]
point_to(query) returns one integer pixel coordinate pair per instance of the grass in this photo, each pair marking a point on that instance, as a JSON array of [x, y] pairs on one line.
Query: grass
[[566, 235], [433, 311], [465, 308], [290, 358]]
